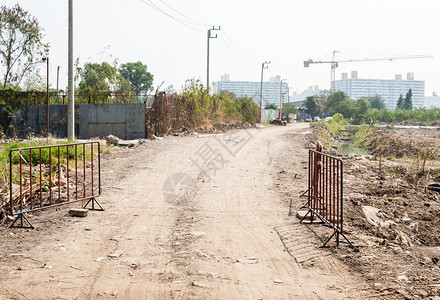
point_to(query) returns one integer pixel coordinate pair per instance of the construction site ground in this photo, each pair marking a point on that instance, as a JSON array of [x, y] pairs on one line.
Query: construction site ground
[[210, 216]]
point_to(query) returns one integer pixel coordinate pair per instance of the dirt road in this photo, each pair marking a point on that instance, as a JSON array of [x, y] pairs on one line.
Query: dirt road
[[197, 217]]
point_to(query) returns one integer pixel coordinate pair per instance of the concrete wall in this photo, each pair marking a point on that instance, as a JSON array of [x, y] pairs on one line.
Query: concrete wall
[[126, 121], [268, 115]]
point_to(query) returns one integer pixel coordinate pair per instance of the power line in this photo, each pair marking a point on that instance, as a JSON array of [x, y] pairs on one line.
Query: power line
[[182, 22], [238, 49], [234, 53], [192, 20]]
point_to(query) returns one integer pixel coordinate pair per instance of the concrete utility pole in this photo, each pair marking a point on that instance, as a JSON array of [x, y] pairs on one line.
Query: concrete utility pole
[[207, 64], [263, 66], [58, 78], [281, 93], [70, 88]]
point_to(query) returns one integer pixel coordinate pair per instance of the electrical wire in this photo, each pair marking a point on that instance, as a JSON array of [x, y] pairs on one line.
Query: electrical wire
[[233, 52], [192, 20], [182, 22], [238, 49]]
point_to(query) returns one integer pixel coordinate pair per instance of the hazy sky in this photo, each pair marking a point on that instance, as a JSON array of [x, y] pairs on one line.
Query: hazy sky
[[283, 32]]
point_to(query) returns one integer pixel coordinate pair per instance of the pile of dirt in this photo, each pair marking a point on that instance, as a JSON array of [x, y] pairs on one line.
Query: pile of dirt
[[218, 128], [398, 143], [392, 217]]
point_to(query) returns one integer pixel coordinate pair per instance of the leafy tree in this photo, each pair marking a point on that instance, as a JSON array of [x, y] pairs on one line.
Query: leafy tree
[[362, 107], [21, 44], [336, 103], [141, 80], [400, 102], [313, 106], [339, 103], [376, 102], [407, 103], [97, 77], [271, 106], [289, 108]]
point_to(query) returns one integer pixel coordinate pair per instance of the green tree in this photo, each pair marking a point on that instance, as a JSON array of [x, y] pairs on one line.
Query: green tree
[[362, 107], [339, 103], [336, 102], [313, 107], [97, 77], [271, 106], [289, 108], [407, 103], [376, 102], [21, 44], [141, 80], [400, 102]]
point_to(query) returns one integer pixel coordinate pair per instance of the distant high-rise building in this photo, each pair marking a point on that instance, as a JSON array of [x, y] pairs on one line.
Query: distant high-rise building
[[388, 89], [271, 89], [431, 102], [225, 77], [298, 99]]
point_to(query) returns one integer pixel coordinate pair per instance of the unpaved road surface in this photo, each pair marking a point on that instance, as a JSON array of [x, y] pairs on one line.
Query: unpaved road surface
[[197, 217]]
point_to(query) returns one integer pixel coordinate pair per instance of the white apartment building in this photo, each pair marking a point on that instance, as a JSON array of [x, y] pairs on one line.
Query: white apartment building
[[432, 101], [272, 89], [389, 89]]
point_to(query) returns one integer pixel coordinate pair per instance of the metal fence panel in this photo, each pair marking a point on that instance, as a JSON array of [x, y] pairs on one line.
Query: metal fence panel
[[325, 192], [49, 176]]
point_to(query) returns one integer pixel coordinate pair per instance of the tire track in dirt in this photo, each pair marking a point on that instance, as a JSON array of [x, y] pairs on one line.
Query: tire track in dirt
[[215, 241], [238, 224]]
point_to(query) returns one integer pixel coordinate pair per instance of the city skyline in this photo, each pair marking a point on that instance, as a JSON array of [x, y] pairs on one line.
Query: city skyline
[[176, 51]]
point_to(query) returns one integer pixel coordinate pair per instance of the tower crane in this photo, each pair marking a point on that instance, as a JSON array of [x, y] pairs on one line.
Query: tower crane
[[334, 63]]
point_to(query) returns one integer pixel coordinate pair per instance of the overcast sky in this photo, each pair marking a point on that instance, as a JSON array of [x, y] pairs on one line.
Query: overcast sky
[[283, 32]]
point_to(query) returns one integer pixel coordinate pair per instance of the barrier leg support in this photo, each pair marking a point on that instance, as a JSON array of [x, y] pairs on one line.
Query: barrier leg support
[[311, 216], [337, 233], [93, 201], [22, 225]]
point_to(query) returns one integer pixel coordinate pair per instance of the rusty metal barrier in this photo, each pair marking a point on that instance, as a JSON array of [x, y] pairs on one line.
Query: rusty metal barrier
[[49, 176], [325, 192]]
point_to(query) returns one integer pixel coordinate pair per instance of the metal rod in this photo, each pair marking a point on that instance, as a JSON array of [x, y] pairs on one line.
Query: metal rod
[[309, 185], [59, 176], [342, 200], [11, 204], [93, 174], [84, 170], [99, 167], [76, 172], [50, 175], [67, 174], [30, 176], [41, 181], [21, 188]]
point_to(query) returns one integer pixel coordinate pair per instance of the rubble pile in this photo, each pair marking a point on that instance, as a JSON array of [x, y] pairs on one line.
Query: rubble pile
[[392, 214]]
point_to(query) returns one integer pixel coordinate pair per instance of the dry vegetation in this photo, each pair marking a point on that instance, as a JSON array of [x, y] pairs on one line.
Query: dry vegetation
[[392, 211]]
